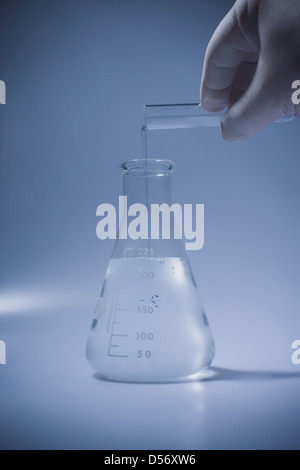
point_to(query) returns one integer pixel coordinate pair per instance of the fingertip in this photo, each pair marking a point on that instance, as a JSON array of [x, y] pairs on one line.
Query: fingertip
[[212, 107], [230, 131], [214, 100], [204, 106]]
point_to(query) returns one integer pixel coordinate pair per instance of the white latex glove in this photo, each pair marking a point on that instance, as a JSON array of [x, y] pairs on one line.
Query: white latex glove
[[250, 64]]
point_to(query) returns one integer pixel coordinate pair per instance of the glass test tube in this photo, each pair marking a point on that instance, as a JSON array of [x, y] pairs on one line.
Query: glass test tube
[[184, 116]]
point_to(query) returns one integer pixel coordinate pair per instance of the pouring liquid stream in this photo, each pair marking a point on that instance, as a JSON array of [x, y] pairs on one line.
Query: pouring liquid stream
[[145, 157]]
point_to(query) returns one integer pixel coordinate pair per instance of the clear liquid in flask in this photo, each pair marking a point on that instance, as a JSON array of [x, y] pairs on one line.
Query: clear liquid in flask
[[149, 325]]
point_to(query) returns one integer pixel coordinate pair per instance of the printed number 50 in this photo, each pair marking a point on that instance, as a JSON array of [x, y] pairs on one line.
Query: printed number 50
[[142, 353]]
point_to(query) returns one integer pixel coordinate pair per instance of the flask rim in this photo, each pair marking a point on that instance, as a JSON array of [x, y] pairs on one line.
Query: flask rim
[[147, 167]]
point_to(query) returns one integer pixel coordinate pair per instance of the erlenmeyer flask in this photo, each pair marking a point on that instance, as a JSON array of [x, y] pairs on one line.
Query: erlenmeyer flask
[[149, 324]]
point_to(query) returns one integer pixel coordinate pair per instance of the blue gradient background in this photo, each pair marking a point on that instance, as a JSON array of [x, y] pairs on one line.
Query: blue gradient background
[[77, 75]]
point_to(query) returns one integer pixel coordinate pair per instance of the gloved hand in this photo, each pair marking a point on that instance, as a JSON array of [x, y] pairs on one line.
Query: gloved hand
[[250, 64]]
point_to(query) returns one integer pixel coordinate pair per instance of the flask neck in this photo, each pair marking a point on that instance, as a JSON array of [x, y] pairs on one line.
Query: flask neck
[[148, 190], [147, 181], [147, 224]]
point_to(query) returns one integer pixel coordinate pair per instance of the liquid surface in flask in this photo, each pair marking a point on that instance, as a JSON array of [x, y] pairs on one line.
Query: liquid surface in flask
[[149, 324]]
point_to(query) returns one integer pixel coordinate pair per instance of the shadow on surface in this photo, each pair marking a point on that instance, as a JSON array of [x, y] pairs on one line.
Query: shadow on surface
[[220, 373], [214, 374]]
